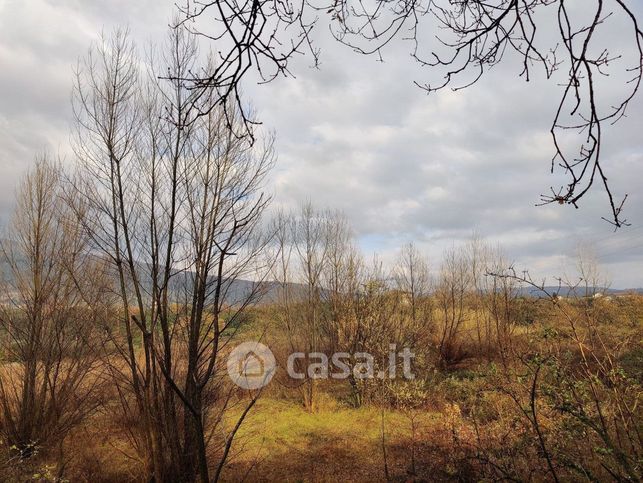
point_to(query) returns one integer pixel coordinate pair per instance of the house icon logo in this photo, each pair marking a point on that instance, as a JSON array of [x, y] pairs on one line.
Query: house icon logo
[[251, 365]]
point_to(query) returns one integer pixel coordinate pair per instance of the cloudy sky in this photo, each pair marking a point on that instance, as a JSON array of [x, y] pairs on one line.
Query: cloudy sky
[[358, 136]]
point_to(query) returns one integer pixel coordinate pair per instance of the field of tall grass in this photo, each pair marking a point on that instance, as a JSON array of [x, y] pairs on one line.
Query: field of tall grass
[[551, 409]]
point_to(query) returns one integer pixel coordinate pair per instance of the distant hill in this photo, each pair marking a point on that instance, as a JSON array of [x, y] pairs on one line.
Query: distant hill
[[565, 291], [268, 292], [237, 291]]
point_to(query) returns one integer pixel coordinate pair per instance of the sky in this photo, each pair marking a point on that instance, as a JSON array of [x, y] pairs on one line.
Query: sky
[[358, 136]]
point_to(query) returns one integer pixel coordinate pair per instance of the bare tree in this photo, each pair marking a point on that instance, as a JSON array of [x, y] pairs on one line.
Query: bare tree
[[592, 281], [330, 300], [303, 240], [413, 279], [453, 287], [493, 300], [50, 318], [340, 274], [473, 36], [372, 323], [176, 200]]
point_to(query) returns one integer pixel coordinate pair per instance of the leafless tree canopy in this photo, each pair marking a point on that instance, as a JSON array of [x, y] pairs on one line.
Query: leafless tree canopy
[[50, 308], [472, 36], [174, 202]]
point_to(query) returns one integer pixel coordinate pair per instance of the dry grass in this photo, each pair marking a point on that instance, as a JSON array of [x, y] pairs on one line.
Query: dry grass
[[468, 416]]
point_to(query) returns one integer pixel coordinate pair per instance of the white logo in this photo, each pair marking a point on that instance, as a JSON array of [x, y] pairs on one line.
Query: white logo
[[251, 365]]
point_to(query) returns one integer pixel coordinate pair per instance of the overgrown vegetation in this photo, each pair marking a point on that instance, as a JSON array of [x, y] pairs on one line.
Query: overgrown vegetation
[[507, 386], [128, 280]]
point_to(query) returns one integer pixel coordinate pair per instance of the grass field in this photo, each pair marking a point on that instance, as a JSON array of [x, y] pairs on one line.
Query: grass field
[[283, 442]]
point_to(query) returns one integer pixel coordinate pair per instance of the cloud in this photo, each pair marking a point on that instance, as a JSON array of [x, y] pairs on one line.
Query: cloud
[[357, 135]]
